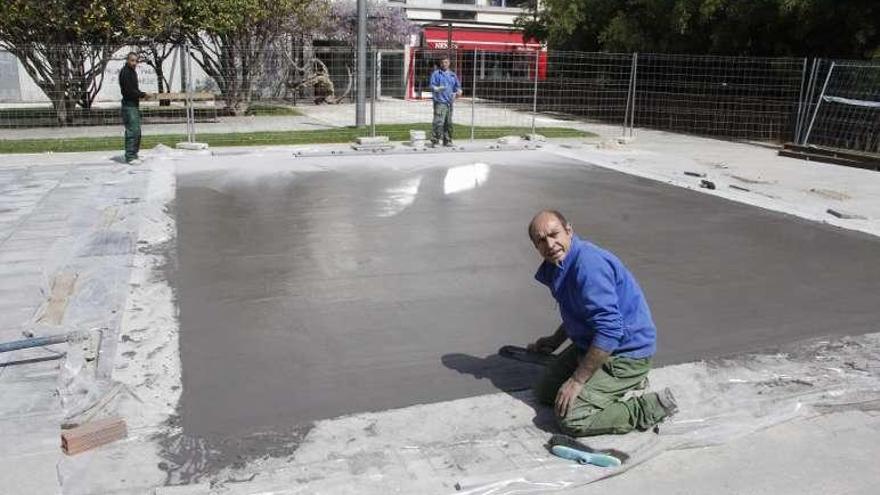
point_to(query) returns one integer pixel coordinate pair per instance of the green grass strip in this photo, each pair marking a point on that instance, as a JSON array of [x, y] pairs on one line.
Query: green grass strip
[[395, 132]]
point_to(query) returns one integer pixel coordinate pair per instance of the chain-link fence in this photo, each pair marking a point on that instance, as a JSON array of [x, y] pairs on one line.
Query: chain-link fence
[[297, 93]]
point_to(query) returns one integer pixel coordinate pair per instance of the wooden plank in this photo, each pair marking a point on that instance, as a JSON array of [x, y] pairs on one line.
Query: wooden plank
[[93, 434], [62, 287], [197, 96], [830, 159]]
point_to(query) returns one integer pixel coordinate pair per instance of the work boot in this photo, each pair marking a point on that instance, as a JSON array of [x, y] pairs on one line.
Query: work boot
[[667, 402], [448, 144]]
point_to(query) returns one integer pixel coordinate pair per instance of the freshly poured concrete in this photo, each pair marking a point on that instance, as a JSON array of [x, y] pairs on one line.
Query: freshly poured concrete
[[325, 286]]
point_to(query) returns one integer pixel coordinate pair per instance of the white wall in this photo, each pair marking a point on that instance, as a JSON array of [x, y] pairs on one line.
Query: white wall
[[29, 92]]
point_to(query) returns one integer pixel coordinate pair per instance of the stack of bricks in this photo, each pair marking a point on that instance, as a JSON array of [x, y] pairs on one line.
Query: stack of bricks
[[92, 434]]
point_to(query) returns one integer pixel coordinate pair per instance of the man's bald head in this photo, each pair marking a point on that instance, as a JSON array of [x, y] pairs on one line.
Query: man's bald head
[[543, 216], [551, 234]]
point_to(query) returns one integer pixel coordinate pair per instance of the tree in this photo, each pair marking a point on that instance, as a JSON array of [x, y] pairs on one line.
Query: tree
[[387, 26], [64, 46], [232, 38], [826, 28]]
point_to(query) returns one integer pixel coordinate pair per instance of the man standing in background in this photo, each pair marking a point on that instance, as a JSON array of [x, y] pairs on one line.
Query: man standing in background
[[131, 113], [444, 88]]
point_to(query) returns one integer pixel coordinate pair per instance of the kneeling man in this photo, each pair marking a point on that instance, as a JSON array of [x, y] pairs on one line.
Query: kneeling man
[[606, 316]]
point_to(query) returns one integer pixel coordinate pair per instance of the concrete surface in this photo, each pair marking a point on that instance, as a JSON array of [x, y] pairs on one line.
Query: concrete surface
[[800, 420], [315, 287], [429, 448]]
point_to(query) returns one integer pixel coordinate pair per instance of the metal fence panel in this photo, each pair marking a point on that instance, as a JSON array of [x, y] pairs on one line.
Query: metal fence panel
[[305, 88], [845, 112]]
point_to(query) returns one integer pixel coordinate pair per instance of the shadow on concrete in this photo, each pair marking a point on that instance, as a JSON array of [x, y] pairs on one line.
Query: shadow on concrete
[[511, 377]]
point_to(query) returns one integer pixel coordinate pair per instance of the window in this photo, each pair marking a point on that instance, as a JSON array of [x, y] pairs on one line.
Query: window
[[458, 14], [522, 4]]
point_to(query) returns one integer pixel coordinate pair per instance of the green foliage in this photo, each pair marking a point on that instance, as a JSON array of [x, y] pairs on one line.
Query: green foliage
[[825, 28], [60, 21], [232, 38], [64, 45]]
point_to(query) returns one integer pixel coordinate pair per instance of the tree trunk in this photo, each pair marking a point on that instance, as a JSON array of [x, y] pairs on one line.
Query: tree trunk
[[160, 80]]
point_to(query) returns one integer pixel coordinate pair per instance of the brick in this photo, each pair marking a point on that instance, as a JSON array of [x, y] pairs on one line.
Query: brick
[[93, 434]]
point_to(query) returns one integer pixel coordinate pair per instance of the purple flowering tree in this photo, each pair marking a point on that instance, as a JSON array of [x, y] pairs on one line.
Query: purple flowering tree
[[387, 25]]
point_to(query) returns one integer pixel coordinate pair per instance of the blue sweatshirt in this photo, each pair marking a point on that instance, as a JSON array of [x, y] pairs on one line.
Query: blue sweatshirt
[[448, 81], [600, 301]]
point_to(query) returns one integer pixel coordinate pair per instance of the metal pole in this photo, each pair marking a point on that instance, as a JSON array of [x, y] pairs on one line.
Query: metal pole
[[190, 111], [33, 342], [811, 87], [449, 44], [474, 94], [374, 87], [818, 104], [635, 77], [535, 91], [801, 96], [629, 95], [361, 102]]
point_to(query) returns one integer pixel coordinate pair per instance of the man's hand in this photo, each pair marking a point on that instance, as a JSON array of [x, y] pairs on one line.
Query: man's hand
[[568, 392], [544, 345]]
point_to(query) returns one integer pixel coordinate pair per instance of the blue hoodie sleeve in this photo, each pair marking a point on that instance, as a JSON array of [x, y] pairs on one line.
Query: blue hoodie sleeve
[[596, 279], [432, 81], [456, 86]]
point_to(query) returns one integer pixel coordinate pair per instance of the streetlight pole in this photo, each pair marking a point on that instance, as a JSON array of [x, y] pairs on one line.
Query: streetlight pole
[[361, 101]]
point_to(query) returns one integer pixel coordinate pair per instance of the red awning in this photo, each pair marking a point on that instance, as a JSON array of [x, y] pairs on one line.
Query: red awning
[[470, 38]]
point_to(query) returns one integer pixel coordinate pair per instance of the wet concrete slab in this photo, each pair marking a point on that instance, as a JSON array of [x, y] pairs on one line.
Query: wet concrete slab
[[328, 286]]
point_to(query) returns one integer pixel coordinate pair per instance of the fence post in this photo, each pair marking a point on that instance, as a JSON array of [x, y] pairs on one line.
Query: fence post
[[818, 104], [629, 113], [535, 91], [474, 94], [190, 111], [811, 88], [374, 87], [801, 97], [635, 76]]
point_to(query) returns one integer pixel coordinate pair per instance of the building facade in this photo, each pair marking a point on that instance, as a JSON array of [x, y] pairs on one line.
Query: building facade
[[479, 38]]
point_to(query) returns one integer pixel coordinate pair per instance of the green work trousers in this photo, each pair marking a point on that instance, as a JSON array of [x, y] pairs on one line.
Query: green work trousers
[[600, 407], [131, 119], [442, 125]]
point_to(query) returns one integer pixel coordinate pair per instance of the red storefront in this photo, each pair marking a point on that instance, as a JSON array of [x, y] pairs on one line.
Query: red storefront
[[485, 54]]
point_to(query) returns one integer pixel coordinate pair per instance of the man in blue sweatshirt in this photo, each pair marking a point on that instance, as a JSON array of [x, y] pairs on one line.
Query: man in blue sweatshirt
[[444, 88], [606, 316]]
